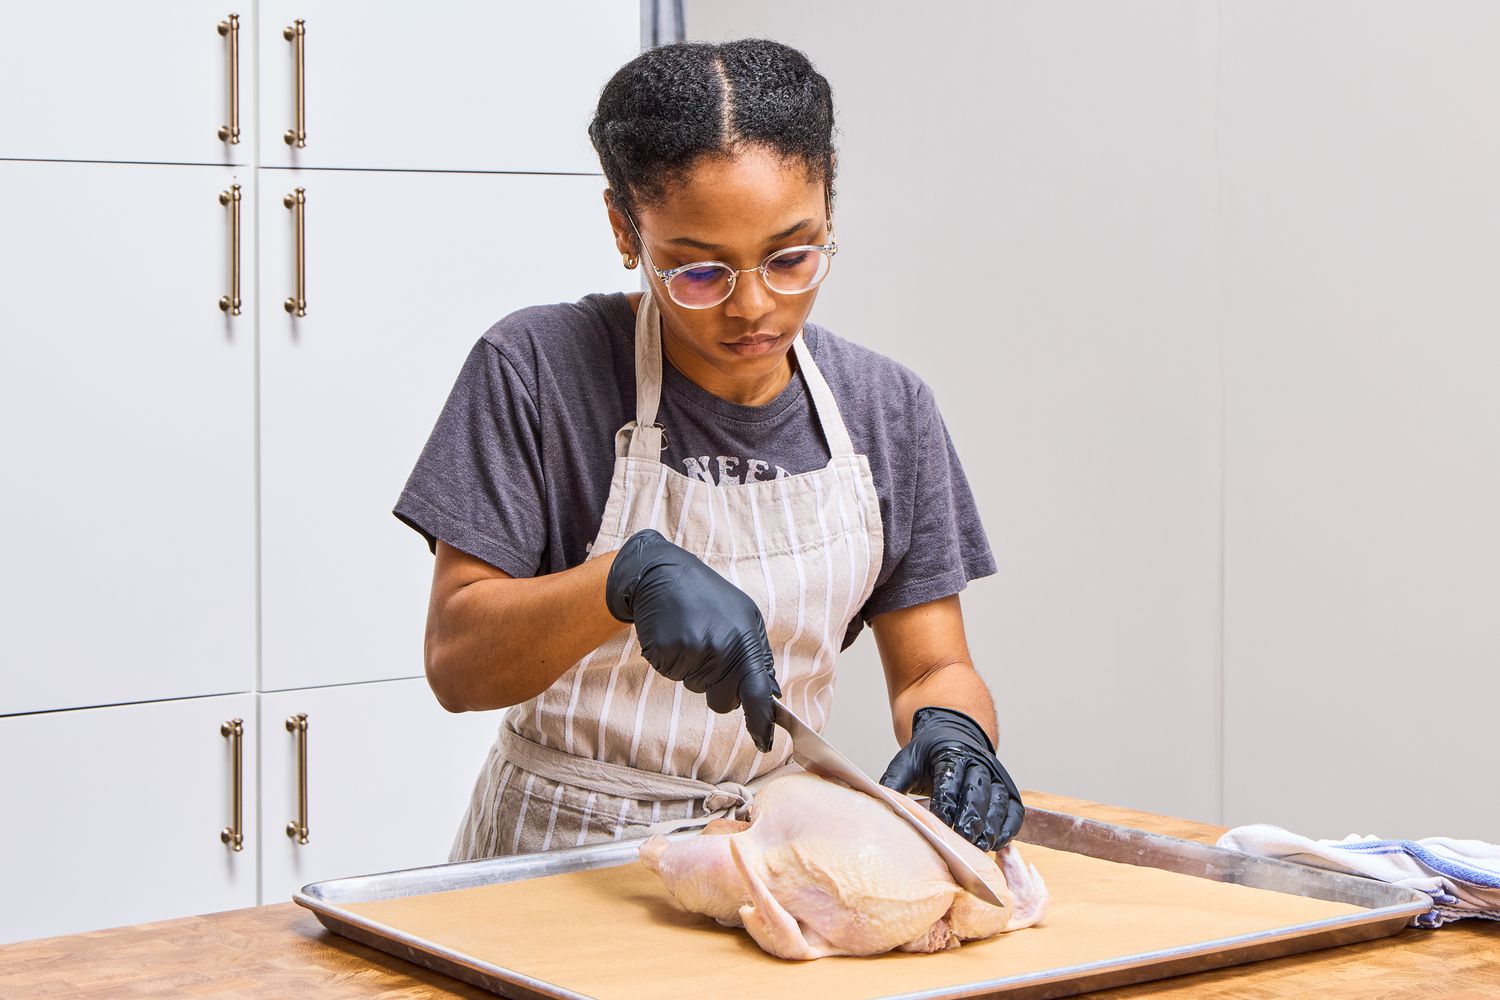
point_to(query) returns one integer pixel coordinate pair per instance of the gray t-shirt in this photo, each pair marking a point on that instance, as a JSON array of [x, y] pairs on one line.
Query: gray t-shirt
[[517, 468]]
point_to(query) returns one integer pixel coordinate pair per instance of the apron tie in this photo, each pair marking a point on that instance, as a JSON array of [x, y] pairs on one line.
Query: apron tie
[[730, 795], [727, 798]]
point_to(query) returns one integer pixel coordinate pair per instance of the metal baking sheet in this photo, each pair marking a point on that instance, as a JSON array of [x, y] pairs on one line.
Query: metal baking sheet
[[1386, 909]]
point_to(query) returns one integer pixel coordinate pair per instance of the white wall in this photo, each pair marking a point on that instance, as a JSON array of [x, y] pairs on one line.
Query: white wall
[[1207, 295], [1361, 254]]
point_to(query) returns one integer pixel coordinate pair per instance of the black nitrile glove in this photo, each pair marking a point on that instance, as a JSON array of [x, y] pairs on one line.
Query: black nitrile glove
[[950, 758], [696, 627]]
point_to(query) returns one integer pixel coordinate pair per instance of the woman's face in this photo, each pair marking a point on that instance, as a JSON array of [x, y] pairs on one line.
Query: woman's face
[[736, 211]]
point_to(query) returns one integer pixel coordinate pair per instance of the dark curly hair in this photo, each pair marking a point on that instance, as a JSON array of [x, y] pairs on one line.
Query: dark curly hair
[[673, 106]]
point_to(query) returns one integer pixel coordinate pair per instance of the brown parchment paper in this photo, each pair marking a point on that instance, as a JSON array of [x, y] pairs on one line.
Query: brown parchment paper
[[615, 933]]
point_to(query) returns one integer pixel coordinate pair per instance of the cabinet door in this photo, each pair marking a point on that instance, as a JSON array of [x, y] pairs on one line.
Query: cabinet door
[[124, 81], [389, 774], [404, 272], [444, 85], [114, 815], [126, 427]]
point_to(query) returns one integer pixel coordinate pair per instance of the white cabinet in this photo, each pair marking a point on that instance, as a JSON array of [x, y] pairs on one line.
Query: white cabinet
[[198, 499], [389, 774], [115, 815], [442, 85], [126, 426], [404, 272], [124, 81]]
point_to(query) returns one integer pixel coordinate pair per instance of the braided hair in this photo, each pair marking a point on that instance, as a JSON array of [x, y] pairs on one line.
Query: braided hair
[[676, 105]]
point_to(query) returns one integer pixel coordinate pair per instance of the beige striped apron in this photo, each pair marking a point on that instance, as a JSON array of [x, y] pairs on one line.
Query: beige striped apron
[[613, 749]]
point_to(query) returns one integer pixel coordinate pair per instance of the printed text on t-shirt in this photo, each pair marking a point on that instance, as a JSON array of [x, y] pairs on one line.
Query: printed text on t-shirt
[[729, 470]]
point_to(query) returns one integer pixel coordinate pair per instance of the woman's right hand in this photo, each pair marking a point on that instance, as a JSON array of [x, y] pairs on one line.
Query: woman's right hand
[[696, 627]]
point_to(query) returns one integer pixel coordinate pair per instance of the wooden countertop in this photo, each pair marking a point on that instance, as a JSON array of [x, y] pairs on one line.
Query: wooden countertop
[[281, 950]]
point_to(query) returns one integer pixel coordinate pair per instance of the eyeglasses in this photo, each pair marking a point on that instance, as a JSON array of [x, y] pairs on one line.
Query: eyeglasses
[[704, 284]]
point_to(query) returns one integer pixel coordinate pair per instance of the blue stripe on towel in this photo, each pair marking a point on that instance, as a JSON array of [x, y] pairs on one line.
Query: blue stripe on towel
[[1437, 862]]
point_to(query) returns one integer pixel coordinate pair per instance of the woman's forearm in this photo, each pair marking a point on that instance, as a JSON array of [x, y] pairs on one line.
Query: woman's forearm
[[926, 660], [499, 642], [955, 685]]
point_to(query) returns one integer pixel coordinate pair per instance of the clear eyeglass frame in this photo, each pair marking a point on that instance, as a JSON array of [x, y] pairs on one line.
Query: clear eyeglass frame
[[828, 250]]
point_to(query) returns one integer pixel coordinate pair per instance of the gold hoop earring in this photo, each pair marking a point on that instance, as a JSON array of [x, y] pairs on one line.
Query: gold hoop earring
[[630, 261]]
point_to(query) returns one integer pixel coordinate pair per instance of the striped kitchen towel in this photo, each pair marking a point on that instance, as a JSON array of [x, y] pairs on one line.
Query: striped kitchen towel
[[1461, 876]]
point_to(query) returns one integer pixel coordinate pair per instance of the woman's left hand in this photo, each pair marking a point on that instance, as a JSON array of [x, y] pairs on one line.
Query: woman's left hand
[[950, 757]]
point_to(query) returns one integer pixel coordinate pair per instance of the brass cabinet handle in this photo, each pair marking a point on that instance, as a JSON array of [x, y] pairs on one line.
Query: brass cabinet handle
[[231, 303], [297, 202], [231, 133], [234, 834], [297, 35], [297, 726]]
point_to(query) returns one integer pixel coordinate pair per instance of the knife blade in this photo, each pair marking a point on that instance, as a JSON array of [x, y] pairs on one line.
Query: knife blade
[[818, 756]]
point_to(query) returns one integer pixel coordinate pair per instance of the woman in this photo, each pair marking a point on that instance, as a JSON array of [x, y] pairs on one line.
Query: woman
[[655, 512]]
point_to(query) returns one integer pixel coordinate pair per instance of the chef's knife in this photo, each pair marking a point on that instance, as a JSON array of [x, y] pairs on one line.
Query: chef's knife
[[817, 755]]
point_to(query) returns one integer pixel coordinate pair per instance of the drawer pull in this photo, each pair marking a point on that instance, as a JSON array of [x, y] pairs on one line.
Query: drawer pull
[[297, 828], [231, 27], [297, 35], [297, 202], [231, 133], [234, 834], [231, 303]]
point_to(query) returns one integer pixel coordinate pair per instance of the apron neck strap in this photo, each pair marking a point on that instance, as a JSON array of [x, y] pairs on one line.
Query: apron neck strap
[[646, 440], [825, 409]]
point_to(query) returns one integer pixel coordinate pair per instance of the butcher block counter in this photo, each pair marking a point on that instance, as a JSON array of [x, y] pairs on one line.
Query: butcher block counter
[[281, 950]]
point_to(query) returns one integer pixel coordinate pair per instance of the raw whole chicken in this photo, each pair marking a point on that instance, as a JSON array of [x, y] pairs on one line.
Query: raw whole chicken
[[822, 869]]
